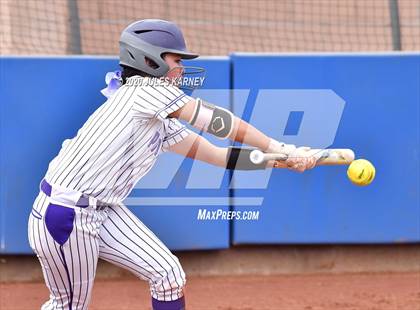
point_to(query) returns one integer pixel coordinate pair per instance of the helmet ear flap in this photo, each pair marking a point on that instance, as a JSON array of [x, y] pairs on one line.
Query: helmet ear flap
[[131, 55], [150, 62]]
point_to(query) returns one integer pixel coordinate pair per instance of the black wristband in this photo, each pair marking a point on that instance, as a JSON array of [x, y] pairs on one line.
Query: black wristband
[[239, 159]]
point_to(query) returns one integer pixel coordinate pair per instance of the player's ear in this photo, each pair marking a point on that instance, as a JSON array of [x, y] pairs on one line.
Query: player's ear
[[165, 57]]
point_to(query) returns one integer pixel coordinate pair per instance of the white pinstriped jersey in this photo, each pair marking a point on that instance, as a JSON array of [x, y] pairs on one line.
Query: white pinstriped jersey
[[120, 142]]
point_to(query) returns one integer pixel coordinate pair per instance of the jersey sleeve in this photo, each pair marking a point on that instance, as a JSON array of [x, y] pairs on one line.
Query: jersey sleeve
[[175, 133], [158, 101]]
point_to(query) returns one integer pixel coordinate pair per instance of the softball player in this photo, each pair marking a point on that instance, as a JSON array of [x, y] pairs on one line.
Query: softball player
[[79, 215]]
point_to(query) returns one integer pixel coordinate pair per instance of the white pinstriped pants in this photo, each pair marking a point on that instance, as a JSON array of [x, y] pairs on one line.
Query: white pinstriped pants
[[113, 234]]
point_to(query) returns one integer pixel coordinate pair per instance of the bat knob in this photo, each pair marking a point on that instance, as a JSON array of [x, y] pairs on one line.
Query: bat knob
[[256, 157]]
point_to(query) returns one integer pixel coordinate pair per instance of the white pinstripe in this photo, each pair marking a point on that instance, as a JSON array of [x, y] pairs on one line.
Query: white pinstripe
[[115, 137], [113, 234], [115, 148], [141, 248]]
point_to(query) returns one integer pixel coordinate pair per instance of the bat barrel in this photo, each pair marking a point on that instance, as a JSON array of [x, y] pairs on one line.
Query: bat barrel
[[336, 157]]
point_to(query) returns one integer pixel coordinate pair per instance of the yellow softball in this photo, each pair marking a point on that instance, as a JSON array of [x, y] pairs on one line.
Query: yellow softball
[[361, 172]]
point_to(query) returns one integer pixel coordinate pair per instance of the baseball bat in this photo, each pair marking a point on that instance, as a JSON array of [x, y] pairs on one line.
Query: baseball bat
[[324, 156]]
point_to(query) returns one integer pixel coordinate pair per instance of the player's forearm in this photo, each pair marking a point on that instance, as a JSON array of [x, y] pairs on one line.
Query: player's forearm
[[199, 148], [245, 133]]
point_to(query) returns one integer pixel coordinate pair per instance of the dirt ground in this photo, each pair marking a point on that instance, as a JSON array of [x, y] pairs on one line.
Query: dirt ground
[[298, 292]]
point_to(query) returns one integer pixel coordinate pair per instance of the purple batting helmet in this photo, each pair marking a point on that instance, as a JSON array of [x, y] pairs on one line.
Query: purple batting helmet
[[151, 38]]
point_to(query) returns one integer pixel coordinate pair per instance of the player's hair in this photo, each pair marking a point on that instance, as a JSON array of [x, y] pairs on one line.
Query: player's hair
[[128, 72]]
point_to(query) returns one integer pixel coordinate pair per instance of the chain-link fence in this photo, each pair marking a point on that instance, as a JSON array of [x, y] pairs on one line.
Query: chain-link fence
[[213, 27]]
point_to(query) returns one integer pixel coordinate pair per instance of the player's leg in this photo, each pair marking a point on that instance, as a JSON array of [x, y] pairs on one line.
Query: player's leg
[[125, 241], [53, 276], [67, 249]]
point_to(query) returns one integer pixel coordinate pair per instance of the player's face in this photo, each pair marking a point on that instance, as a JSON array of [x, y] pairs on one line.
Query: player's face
[[175, 66]]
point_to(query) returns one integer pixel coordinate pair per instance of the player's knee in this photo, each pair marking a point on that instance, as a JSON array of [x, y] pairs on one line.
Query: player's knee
[[171, 281], [181, 278], [175, 273]]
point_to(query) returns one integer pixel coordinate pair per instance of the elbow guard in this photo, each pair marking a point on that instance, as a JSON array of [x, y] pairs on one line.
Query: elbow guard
[[212, 119]]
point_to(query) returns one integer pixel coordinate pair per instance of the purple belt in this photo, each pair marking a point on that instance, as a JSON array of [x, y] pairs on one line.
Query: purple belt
[[46, 188]]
